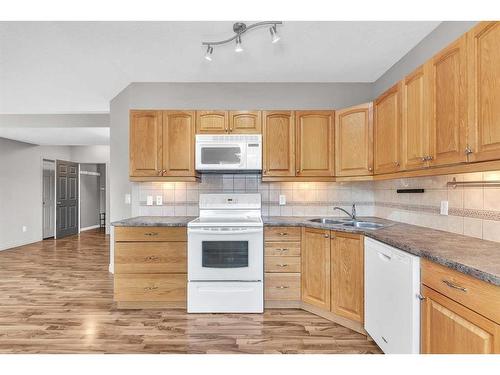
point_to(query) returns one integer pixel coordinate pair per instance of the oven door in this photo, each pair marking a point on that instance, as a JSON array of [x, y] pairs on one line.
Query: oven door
[[225, 254], [224, 156]]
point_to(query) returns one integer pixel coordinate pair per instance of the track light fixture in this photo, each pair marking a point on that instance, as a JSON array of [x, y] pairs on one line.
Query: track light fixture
[[239, 28], [274, 34], [238, 47], [208, 54]]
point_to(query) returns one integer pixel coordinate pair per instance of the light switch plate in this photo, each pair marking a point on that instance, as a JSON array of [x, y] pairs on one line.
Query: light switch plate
[[128, 199], [282, 199], [149, 200], [444, 208]]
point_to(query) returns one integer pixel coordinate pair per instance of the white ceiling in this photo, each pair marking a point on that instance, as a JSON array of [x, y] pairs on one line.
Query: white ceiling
[[64, 136], [78, 67]]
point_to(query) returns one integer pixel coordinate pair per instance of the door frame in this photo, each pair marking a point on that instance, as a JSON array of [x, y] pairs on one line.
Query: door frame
[[55, 194]]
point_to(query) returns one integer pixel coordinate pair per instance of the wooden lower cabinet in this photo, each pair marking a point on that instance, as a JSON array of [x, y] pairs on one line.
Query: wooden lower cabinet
[[347, 275], [282, 287], [150, 287], [316, 267], [150, 267], [450, 328], [282, 262]]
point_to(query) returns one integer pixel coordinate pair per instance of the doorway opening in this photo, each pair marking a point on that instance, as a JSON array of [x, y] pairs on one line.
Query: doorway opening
[[92, 196]]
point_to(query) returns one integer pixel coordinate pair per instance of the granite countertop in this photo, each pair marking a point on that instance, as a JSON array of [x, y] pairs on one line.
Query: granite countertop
[[154, 221], [475, 257]]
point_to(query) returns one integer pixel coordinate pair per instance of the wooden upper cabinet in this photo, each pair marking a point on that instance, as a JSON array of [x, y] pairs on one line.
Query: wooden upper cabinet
[[483, 59], [347, 275], [145, 154], [278, 136], [354, 141], [316, 267], [212, 122], [448, 104], [415, 120], [245, 122], [451, 328], [315, 143], [387, 123], [178, 137]]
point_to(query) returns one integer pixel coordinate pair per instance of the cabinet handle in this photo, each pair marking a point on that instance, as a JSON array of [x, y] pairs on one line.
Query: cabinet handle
[[298, 171], [149, 288], [282, 265], [420, 297], [468, 150], [160, 173], [282, 250], [265, 171], [151, 234], [282, 287], [370, 169], [283, 233], [423, 159], [454, 286], [152, 257], [396, 163], [326, 236]]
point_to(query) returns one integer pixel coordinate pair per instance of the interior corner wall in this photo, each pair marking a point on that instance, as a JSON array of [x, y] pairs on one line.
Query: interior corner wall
[[439, 38], [265, 96]]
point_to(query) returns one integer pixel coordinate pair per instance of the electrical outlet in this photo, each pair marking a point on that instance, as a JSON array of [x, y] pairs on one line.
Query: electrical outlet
[[282, 199], [25, 228], [149, 200], [159, 200], [128, 199], [444, 208]]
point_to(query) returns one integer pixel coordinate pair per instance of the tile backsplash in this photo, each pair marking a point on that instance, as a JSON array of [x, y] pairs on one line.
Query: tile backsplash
[[473, 210], [302, 198]]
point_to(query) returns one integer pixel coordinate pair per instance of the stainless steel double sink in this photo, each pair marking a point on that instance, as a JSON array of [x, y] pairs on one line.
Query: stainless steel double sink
[[348, 223]]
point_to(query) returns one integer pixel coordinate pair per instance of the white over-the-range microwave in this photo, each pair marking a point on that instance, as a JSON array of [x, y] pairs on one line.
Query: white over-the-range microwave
[[222, 153]]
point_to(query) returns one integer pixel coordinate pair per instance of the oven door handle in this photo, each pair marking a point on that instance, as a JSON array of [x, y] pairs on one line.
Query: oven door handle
[[224, 232]]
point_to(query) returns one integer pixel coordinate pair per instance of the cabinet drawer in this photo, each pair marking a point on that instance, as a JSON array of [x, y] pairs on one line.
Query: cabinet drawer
[[282, 264], [150, 287], [282, 286], [477, 295], [281, 234], [285, 249], [150, 257], [150, 234]]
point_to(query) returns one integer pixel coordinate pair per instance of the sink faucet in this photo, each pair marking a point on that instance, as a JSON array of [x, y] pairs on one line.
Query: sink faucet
[[352, 215]]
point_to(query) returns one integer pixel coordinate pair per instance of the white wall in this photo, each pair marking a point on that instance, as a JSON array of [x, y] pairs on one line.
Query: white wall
[[21, 186]]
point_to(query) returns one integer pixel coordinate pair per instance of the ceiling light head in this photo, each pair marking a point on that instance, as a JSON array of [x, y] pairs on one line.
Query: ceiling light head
[[274, 34], [239, 47], [208, 54]]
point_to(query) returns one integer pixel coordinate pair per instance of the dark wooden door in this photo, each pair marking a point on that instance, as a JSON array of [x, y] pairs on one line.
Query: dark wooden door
[[67, 198]]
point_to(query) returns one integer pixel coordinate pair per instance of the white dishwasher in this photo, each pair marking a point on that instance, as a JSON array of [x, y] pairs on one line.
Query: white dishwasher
[[392, 304]]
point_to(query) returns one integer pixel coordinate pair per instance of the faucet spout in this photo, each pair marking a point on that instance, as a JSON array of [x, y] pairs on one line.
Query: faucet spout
[[352, 215]]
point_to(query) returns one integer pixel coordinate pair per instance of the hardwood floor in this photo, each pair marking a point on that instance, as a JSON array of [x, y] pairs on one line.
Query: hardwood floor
[[56, 297]]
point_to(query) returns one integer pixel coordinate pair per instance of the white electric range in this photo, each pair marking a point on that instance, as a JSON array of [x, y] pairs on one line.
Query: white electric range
[[226, 255]]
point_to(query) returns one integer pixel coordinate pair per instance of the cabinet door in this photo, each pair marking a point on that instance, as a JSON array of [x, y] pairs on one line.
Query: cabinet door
[[316, 267], [483, 59], [245, 122], [387, 118], [178, 143], [347, 275], [450, 328], [278, 135], [354, 141], [415, 120], [212, 122], [315, 143], [448, 104], [145, 143]]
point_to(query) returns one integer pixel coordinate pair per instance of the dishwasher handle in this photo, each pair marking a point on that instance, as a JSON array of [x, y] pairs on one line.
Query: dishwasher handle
[[385, 257]]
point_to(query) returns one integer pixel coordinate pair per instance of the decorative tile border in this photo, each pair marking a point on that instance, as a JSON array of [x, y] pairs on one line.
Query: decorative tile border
[[463, 212]]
